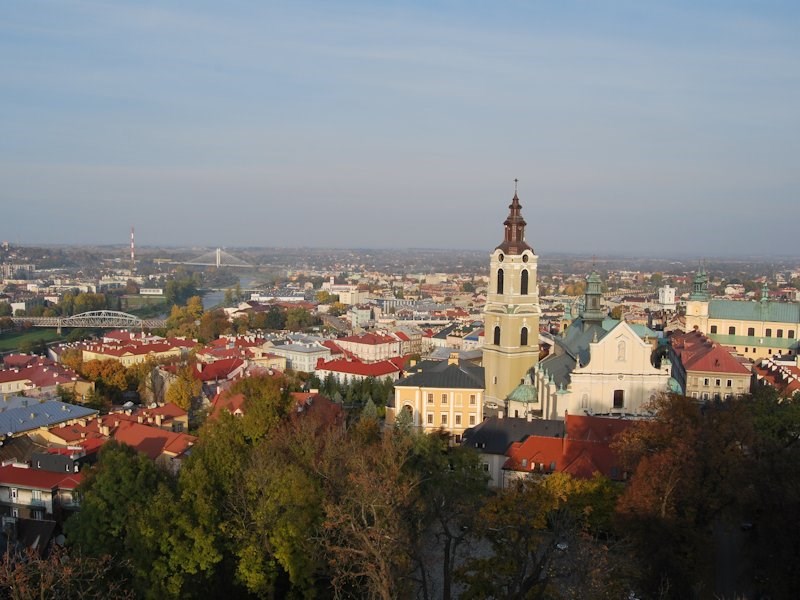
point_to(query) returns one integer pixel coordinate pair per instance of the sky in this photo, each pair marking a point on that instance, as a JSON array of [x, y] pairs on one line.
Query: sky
[[634, 127]]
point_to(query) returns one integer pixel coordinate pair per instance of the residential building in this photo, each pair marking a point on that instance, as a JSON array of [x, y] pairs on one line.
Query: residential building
[[441, 395], [300, 356], [35, 493], [707, 370]]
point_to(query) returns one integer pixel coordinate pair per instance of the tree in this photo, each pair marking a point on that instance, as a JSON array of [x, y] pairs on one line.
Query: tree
[[112, 492], [538, 533], [468, 287], [61, 575], [369, 495], [453, 487], [185, 388], [5, 309], [689, 468]]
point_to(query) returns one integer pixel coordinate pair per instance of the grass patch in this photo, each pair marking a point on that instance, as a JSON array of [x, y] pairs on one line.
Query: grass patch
[[12, 340]]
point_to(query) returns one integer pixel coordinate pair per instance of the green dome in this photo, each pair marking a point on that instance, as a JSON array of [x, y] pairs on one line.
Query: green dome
[[525, 393]]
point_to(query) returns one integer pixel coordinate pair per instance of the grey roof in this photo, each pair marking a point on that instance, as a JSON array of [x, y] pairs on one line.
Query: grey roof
[[44, 414], [16, 402], [494, 435], [444, 352], [442, 335], [442, 374], [576, 340], [20, 448], [560, 366]]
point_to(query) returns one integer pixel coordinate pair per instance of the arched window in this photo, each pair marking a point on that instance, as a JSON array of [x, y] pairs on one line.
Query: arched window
[[497, 335], [523, 286], [499, 281], [523, 337]]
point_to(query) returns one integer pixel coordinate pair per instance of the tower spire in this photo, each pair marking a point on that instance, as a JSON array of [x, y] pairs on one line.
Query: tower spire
[[514, 236]]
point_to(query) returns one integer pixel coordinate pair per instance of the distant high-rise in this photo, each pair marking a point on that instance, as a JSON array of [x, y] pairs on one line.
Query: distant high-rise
[[511, 314]]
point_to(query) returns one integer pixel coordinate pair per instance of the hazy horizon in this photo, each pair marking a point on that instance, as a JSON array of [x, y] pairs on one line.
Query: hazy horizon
[[635, 128]]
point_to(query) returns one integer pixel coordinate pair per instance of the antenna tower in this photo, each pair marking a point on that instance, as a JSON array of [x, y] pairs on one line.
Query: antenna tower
[[133, 252]]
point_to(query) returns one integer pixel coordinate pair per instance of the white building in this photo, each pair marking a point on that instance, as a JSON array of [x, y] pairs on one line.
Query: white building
[[666, 297]]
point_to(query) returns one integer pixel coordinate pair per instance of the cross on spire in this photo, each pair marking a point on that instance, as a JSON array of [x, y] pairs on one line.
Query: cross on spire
[[516, 181]]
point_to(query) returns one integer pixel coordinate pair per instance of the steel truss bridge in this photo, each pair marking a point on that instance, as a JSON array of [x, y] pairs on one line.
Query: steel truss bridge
[[100, 319]]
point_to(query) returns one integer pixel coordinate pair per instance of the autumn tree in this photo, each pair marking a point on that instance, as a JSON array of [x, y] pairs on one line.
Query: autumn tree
[[689, 466], [185, 388], [61, 574], [366, 534]]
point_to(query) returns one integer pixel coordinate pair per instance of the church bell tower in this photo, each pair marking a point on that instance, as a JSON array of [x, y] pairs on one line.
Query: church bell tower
[[511, 315]]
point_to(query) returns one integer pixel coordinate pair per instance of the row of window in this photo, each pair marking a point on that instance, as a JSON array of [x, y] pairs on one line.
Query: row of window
[[523, 336], [717, 382], [473, 399], [751, 331], [443, 419], [715, 396], [523, 283]]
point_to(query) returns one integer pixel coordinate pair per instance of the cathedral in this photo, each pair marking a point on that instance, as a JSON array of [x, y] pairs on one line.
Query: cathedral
[[598, 365]]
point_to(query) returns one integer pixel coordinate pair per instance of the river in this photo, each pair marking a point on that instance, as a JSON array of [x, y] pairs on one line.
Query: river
[[212, 299]]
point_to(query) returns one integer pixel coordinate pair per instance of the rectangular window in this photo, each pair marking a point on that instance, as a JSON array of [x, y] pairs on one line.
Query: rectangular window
[[36, 495], [706, 381], [486, 467], [473, 398], [713, 329], [768, 333], [731, 330], [444, 418], [458, 419], [472, 419], [430, 419], [780, 333], [729, 383], [444, 398], [791, 334], [718, 382], [13, 493], [430, 398], [619, 398], [751, 331], [38, 515], [694, 394]]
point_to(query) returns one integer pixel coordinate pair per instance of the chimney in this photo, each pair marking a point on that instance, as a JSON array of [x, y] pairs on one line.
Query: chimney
[[159, 420]]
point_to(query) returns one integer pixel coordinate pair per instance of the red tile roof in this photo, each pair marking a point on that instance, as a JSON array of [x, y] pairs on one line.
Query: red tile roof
[[152, 441], [224, 400], [38, 478], [699, 353], [220, 369], [356, 367], [584, 450]]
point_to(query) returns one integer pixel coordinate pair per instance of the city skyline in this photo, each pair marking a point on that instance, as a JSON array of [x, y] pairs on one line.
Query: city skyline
[[633, 127]]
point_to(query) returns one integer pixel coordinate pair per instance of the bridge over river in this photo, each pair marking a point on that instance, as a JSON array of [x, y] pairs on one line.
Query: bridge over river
[[96, 319]]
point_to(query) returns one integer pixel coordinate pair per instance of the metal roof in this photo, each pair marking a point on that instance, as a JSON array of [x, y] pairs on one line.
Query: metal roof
[[775, 312], [43, 414]]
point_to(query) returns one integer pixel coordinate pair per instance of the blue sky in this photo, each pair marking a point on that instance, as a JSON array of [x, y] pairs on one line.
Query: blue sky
[[633, 126]]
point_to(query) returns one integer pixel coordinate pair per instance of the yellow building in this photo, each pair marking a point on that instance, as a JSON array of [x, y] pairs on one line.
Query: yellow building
[[440, 394], [755, 330], [131, 354], [511, 314]]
